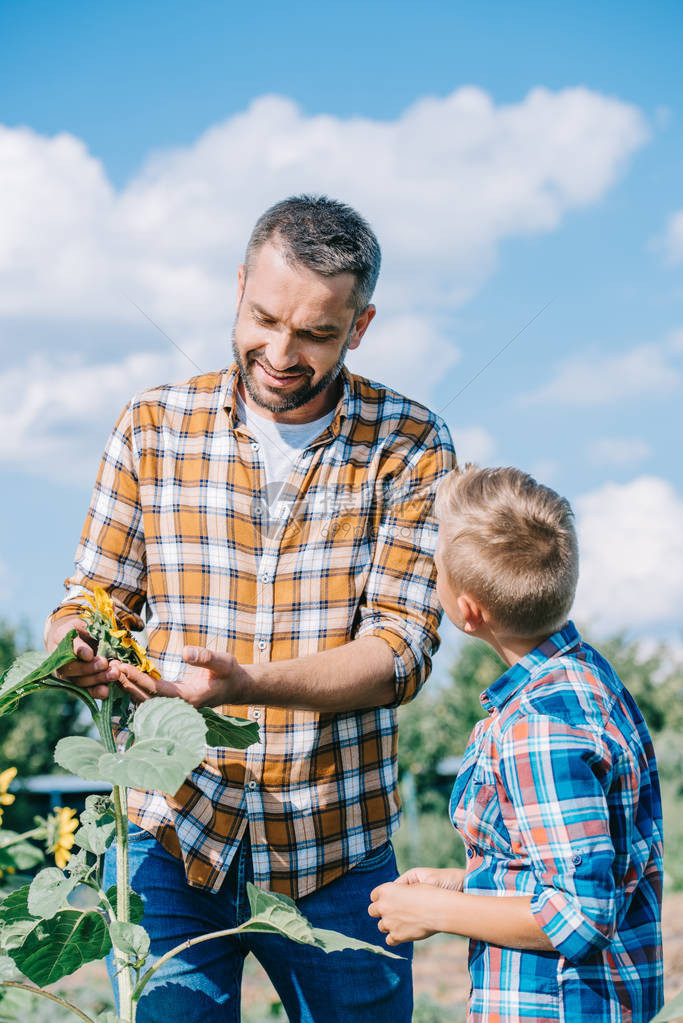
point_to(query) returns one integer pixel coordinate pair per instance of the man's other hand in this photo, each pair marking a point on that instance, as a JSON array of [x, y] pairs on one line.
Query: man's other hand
[[88, 670], [212, 679]]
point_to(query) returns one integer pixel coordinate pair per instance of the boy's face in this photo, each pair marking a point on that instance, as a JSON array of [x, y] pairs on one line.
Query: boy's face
[[448, 597]]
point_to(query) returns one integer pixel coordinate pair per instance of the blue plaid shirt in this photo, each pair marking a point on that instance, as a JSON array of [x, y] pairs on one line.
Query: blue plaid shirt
[[558, 798]]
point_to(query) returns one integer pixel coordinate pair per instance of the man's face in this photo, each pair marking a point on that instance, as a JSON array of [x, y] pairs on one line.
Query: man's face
[[292, 330]]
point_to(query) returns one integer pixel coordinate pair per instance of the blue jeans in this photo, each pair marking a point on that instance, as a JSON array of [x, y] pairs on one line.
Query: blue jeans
[[202, 985]]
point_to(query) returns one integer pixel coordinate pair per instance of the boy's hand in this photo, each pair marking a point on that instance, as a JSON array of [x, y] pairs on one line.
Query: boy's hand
[[211, 680], [403, 911], [450, 878]]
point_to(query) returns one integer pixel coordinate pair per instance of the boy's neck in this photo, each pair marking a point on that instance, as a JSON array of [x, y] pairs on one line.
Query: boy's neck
[[510, 648]]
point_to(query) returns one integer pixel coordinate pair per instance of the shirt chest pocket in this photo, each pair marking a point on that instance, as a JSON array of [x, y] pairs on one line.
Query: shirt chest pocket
[[478, 814]]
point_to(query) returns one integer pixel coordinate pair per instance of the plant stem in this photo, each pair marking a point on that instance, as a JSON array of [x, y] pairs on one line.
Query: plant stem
[[148, 974], [52, 682], [47, 994], [33, 833], [103, 722], [123, 899]]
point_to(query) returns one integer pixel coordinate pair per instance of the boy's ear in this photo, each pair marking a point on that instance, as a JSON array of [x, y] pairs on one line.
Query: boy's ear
[[471, 611]]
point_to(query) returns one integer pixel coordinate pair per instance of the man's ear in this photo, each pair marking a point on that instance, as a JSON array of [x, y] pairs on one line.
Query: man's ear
[[241, 281], [361, 325], [471, 611]]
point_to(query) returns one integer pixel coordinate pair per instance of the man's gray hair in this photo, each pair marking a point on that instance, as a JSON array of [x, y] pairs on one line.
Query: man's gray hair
[[324, 235]]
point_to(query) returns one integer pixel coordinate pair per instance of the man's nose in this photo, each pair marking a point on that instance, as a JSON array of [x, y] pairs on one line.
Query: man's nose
[[283, 351]]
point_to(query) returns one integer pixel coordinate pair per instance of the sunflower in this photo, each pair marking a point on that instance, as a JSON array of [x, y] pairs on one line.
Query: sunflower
[[144, 662], [113, 642], [6, 797], [61, 827], [101, 602]]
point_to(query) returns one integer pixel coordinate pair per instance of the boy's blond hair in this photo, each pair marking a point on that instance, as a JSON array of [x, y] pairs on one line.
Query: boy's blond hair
[[509, 542]]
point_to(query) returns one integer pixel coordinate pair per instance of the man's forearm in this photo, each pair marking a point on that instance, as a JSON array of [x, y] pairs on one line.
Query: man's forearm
[[357, 675]]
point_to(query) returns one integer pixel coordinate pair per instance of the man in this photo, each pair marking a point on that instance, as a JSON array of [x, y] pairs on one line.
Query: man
[[314, 615]]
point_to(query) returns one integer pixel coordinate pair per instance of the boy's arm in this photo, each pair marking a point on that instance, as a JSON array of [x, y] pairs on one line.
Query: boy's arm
[[556, 777], [410, 912]]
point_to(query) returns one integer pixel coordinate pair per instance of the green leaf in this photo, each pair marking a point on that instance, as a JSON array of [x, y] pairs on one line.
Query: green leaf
[[15, 919], [48, 892], [137, 907], [56, 948], [672, 1010], [12, 687], [31, 669], [277, 913], [15, 906], [96, 807], [169, 743], [7, 968], [96, 836], [131, 939], [81, 755], [21, 856], [234, 733], [62, 654], [78, 866]]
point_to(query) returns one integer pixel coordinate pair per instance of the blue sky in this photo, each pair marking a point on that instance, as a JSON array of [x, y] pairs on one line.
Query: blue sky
[[510, 156]]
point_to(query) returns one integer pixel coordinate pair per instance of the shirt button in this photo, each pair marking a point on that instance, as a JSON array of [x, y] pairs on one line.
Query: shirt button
[[256, 714], [470, 852], [255, 445], [262, 644], [257, 510], [266, 577], [576, 860], [251, 785]]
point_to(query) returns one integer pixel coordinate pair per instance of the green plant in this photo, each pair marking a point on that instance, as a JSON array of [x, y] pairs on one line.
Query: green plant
[[41, 932]]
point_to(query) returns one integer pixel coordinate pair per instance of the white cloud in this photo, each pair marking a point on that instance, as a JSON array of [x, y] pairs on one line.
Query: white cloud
[[55, 415], [619, 450], [473, 444], [408, 353], [596, 379], [671, 241], [631, 541], [443, 184]]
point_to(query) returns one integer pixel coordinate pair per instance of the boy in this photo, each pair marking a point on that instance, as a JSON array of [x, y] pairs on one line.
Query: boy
[[557, 799]]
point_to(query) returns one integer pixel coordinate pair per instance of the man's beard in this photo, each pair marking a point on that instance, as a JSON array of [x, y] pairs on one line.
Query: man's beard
[[295, 399]]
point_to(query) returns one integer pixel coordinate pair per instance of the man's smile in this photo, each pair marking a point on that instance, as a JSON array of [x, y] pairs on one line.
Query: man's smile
[[279, 379]]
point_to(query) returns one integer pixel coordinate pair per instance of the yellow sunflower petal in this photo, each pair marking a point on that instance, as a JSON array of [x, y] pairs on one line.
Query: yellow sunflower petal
[[6, 778], [105, 605]]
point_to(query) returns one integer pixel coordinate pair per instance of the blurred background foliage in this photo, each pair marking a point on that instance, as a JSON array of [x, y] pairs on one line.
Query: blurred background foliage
[[28, 737], [435, 728]]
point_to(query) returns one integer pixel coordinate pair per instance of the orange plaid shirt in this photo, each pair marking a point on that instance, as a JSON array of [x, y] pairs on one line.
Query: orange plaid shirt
[[178, 522]]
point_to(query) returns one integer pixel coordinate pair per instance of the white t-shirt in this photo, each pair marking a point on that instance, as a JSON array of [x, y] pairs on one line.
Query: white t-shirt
[[280, 444]]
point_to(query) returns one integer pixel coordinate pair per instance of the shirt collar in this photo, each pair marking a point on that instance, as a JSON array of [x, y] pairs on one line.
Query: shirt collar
[[500, 691], [344, 410]]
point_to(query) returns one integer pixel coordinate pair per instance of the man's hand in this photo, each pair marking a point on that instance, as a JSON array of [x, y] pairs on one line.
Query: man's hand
[[88, 670], [403, 911], [212, 679]]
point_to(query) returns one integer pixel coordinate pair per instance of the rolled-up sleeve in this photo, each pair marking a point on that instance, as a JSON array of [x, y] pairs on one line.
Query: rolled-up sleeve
[[557, 778], [399, 602], [111, 549]]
